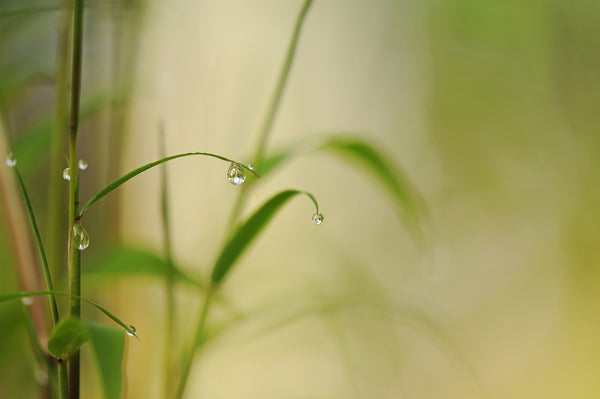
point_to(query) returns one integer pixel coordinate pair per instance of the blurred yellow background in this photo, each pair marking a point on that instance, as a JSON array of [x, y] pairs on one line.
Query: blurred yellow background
[[490, 108]]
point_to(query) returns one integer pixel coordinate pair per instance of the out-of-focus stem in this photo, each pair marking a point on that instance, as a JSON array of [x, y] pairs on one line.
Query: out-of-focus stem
[[266, 125], [169, 345], [55, 211], [198, 337]]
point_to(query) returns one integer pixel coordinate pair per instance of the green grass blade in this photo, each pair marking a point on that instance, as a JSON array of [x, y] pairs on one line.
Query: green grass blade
[[108, 345], [18, 295], [123, 261], [40, 246], [275, 100], [249, 230], [67, 337], [115, 184], [361, 154]]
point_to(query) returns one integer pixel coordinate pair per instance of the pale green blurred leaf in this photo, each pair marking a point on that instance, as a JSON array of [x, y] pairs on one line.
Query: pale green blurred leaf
[[108, 345], [124, 261], [363, 155]]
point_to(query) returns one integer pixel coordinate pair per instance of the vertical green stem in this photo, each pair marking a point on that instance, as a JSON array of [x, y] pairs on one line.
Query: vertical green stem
[[263, 135], [74, 253], [266, 125], [171, 317], [197, 339], [55, 187]]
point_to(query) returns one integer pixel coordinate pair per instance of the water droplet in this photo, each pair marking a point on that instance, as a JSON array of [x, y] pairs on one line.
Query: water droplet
[[27, 300], [250, 166], [82, 164], [318, 218], [67, 174], [41, 376], [236, 174], [81, 239], [11, 161], [133, 330]]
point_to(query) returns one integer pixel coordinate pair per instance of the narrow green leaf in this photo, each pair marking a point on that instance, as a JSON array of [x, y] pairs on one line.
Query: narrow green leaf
[[364, 155], [40, 246], [248, 230], [67, 337], [108, 345], [17, 295], [123, 261], [110, 187]]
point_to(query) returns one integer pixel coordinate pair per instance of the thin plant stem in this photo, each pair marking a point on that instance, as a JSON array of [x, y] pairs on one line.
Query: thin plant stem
[[260, 150], [55, 211], [170, 293], [266, 125], [73, 250], [42, 252], [40, 355], [197, 340]]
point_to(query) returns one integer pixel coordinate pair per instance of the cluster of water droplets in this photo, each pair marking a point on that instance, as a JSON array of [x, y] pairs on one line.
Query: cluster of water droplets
[[11, 161], [66, 174], [81, 239], [236, 174]]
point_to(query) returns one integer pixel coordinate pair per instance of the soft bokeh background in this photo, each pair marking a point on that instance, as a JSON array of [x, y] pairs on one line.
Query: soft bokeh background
[[489, 107]]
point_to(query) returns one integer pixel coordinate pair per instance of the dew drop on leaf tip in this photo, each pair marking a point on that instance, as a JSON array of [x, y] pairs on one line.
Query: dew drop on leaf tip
[[132, 329], [318, 218], [236, 174], [11, 161], [82, 164], [66, 174]]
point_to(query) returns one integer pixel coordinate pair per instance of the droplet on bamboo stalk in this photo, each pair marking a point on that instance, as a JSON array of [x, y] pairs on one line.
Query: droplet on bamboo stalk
[[11, 161], [27, 300], [236, 174], [81, 239]]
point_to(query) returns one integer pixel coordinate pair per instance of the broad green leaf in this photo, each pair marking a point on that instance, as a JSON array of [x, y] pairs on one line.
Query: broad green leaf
[[108, 345], [110, 187], [67, 337], [362, 154], [17, 295], [248, 230], [123, 261]]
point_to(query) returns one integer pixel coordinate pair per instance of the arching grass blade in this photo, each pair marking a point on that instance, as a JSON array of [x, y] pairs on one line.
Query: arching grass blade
[[118, 182], [248, 231]]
